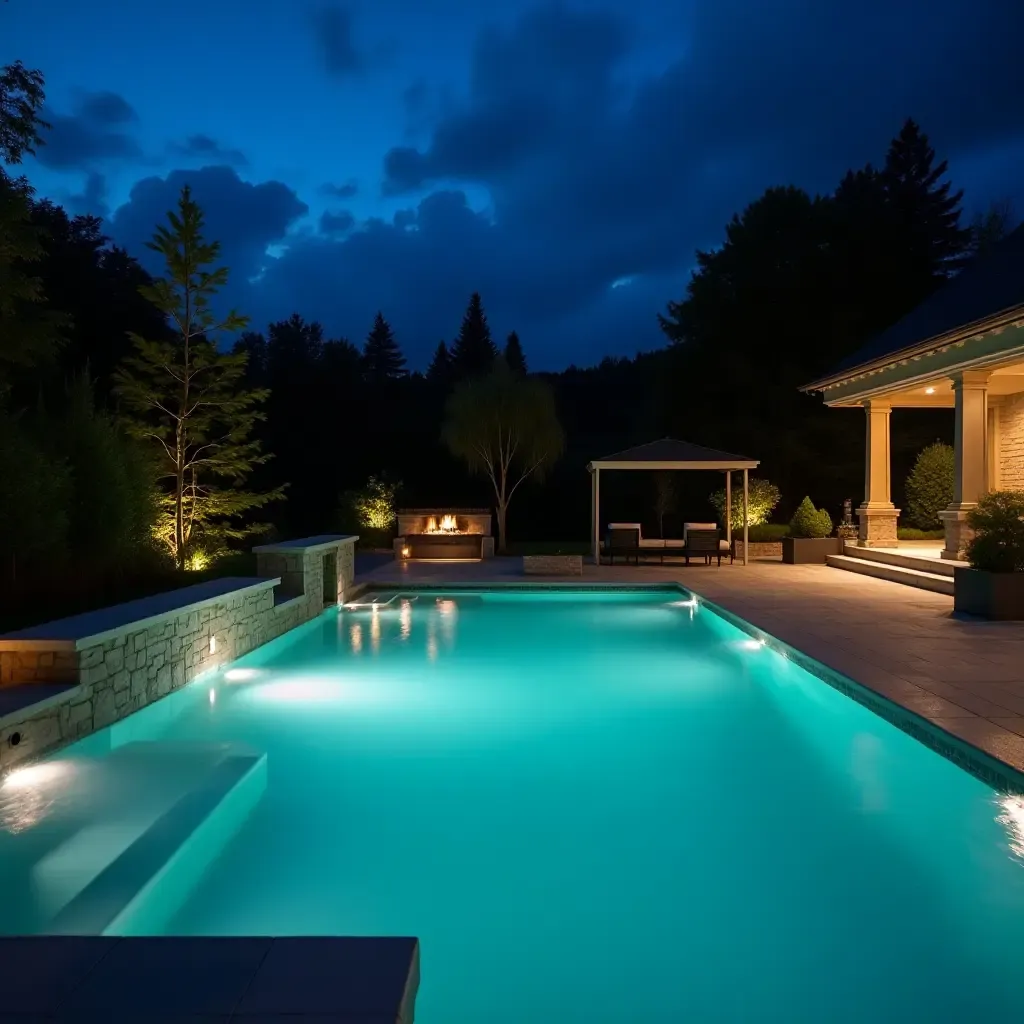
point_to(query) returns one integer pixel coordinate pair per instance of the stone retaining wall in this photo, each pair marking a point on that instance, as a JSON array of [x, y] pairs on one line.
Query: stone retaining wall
[[553, 565], [124, 668], [760, 549]]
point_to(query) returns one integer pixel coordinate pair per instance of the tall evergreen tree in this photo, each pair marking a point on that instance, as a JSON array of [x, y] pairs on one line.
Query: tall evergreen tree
[[186, 398], [440, 369], [383, 360], [473, 353], [514, 354], [923, 206]]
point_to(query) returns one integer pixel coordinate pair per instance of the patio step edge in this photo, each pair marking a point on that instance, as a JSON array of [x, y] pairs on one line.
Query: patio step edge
[[927, 565], [939, 584]]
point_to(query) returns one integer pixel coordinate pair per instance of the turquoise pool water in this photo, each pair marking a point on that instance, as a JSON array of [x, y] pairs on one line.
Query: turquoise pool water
[[603, 808]]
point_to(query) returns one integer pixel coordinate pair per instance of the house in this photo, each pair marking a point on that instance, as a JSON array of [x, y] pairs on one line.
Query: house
[[961, 349]]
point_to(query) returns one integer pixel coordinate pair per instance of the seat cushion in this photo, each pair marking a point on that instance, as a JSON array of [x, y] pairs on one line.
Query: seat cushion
[[651, 543]]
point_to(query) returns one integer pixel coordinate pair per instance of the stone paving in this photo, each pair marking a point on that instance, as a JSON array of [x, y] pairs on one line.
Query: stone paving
[[965, 676]]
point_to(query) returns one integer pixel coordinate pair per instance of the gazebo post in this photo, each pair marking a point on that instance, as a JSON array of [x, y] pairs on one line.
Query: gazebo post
[[595, 502], [746, 531], [728, 508]]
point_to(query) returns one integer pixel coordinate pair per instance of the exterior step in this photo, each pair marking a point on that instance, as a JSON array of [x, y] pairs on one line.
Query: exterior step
[[906, 561], [938, 583]]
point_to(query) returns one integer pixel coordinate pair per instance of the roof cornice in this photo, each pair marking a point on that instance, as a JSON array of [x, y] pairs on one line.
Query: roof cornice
[[995, 324]]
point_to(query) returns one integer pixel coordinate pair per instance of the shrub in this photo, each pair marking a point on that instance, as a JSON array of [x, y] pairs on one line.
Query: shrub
[[372, 507], [930, 486], [998, 525], [910, 533], [762, 498], [809, 521], [765, 533]]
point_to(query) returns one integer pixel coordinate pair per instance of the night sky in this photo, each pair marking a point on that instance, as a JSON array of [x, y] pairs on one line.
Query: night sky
[[565, 160]]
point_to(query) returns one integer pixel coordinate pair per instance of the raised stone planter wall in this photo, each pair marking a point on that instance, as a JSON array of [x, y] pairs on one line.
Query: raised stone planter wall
[[118, 660], [760, 549]]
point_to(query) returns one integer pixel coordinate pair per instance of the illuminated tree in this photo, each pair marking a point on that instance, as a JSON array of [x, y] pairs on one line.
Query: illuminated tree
[[186, 397], [505, 427], [762, 499]]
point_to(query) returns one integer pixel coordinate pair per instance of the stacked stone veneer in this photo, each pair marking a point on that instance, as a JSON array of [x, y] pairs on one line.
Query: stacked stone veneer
[[1011, 443], [134, 663]]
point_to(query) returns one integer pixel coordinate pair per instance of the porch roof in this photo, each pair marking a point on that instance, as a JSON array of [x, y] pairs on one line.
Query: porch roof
[[987, 296]]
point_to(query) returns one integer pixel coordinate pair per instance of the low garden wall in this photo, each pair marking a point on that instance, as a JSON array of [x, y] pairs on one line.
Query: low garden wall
[[65, 679], [760, 549]]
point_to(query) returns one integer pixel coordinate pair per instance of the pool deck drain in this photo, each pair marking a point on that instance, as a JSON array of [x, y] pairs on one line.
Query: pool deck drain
[[965, 677]]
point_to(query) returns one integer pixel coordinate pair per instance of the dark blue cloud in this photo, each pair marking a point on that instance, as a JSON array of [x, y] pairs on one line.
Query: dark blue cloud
[[336, 222], [93, 197], [209, 150], [344, 191], [243, 217], [332, 27], [106, 108], [93, 134]]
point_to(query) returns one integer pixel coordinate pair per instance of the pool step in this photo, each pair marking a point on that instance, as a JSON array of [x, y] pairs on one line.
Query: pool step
[[937, 582], [122, 838]]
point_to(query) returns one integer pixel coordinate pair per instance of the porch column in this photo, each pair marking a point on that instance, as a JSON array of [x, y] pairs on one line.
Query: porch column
[[877, 514], [595, 513], [971, 455]]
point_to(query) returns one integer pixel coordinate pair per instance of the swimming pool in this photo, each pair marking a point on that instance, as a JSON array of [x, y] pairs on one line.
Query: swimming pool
[[589, 807]]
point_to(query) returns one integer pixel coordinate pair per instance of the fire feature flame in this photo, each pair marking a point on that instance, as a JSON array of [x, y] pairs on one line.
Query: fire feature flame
[[448, 524]]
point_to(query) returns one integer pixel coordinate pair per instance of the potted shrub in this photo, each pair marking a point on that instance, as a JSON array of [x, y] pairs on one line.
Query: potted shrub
[[809, 539], [993, 586]]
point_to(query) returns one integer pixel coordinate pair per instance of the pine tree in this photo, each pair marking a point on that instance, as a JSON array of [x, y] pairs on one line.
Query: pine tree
[[187, 399], [514, 355], [923, 209], [440, 368], [382, 358], [473, 353]]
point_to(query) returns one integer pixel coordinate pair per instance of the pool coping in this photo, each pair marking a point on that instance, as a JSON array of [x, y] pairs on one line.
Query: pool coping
[[997, 774]]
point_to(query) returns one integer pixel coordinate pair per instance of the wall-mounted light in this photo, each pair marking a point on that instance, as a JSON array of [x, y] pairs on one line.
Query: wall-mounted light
[[929, 391], [405, 552]]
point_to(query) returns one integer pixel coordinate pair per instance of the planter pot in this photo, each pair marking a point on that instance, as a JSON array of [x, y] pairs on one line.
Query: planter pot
[[810, 550], [553, 565], [993, 595]]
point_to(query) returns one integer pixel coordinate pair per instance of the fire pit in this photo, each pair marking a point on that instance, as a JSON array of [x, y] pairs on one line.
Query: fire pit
[[444, 533]]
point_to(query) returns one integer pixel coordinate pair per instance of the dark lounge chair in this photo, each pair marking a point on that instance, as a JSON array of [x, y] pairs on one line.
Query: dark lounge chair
[[703, 542], [625, 542]]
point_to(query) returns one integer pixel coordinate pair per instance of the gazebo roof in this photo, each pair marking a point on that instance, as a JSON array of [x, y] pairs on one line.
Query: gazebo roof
[[669, 453]]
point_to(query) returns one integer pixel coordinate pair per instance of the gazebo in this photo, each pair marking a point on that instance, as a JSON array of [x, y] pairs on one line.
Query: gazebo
[[671, 455]]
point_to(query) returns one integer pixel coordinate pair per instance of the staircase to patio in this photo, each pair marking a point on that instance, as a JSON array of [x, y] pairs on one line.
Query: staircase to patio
[[923, 568]]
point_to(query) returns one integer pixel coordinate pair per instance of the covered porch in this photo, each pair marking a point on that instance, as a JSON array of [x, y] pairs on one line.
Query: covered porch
[[961, 350]]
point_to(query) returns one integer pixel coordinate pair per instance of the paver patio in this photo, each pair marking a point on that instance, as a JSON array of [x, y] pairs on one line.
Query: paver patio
[[965, 676]]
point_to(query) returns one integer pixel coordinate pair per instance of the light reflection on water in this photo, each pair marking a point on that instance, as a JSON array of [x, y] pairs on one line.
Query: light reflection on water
[[1011, 817], [28, 795]]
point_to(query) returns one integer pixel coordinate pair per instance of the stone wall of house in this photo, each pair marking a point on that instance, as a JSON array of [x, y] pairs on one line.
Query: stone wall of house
[[1011, 443], [127, 668]]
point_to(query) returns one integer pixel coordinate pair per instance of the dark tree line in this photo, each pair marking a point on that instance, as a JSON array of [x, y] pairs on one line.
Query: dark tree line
[[798, 283]]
